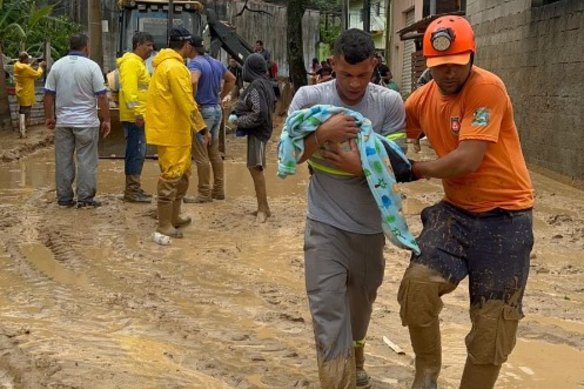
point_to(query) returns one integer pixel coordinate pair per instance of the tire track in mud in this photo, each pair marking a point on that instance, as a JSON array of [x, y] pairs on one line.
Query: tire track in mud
[[65, 244]]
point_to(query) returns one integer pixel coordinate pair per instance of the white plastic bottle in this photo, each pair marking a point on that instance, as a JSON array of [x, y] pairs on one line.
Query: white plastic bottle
[[161, 239]]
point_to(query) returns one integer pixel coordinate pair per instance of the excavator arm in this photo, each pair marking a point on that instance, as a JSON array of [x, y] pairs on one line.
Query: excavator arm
[[224, 37]]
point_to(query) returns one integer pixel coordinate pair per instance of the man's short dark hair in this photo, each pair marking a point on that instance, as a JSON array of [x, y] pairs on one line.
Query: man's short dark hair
[[355, 46], [141, 37], [78, 42], [259, 42], [176, 45]]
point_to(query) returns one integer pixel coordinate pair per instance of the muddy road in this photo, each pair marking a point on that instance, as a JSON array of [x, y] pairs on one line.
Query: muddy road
[[87, 300]]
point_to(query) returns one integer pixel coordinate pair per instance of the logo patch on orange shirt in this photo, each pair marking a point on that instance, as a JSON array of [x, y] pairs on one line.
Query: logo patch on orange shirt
[[481, 117], [455, 125]]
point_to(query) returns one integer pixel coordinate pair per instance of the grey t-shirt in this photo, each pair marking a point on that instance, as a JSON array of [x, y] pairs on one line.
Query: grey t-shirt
[[76, 81], [345, 202]]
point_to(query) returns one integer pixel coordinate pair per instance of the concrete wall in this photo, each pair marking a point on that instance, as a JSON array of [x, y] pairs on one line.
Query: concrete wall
[[37, 115], [398, 10], [251, 26], [539, 53], [272, 30]]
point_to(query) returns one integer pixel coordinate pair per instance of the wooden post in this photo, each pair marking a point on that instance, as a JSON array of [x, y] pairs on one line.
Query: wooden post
[[366, 15], [95, 38]]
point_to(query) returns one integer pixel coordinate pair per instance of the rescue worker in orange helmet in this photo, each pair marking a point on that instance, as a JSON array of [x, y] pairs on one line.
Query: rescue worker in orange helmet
[[483, 227]]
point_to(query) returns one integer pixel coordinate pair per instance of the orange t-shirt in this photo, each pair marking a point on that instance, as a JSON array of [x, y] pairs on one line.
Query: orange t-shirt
[[480, 111]]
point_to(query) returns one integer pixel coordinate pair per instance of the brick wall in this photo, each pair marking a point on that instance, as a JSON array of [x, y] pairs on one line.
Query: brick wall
[[539, 54], [37, 116]]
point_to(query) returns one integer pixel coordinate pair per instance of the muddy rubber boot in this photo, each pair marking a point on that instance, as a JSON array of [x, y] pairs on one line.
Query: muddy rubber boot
[[218, 192], [199, 199], [362, 378], [167, 191], [22, 125], [479, 376], [179, 220], [165, 214], [204, 186], [133, 192], [428, 350]]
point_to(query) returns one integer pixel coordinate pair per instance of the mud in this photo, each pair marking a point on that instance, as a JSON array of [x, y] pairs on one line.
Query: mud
[[87, 300]]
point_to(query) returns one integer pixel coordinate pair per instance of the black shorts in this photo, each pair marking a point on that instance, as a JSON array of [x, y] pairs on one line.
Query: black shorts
[[493, 248], [25, 110]]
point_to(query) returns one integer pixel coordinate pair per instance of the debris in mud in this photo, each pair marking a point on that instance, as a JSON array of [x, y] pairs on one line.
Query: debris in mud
[[559, 219]]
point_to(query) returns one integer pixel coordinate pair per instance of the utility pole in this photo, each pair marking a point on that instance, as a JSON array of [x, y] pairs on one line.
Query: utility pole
[[170, 18], [345, 14], [367, 15], [94, 16]]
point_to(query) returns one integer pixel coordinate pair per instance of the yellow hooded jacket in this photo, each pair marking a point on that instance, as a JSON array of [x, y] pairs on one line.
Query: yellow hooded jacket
[[171, 111], [134, 81], [24, 76]]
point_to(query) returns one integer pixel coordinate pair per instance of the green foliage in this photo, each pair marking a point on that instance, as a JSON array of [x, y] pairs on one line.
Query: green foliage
[[25, 25], [325, 5], [328, 34]]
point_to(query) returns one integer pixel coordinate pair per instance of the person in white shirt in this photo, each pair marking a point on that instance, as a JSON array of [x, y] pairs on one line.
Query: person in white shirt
[[75, 87]]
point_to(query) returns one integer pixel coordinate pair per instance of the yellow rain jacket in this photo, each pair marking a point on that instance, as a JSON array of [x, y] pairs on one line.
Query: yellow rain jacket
[[134, 81], [24, 76], [171, 112]]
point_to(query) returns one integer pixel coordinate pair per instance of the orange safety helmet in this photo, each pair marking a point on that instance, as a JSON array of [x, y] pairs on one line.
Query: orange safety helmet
[[448, 40]]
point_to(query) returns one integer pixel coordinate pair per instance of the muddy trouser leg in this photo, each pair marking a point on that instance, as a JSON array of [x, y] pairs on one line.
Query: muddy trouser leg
[[134, 157], [365, 277], [86, 140], [201, 153], [455, 243], [174, 163], [499, 257], [201, 158], [330, 254], [64, 164], [435, 272], [215, 154], [178, 219]]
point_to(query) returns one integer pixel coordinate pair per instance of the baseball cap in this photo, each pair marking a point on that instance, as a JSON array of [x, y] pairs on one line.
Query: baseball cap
[[178, 34], [197, 43]]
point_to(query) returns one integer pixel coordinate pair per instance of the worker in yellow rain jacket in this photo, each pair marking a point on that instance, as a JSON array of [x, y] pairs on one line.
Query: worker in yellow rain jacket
[[25, 75], [134, 80], [171, 118]]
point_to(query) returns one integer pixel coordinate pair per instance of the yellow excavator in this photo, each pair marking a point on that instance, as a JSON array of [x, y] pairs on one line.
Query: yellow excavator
[[157, 17]]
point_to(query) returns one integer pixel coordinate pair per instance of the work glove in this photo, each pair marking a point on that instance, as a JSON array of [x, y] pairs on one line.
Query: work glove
[[401, 169]]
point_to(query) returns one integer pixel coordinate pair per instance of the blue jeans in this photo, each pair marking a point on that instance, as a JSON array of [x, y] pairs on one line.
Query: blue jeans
[[71, 141], [212, 115], [207, 157], [135, 149]]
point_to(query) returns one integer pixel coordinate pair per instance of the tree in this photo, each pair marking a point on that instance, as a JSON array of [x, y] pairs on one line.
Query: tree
[[296, 9], [25, 26], [6, 23]]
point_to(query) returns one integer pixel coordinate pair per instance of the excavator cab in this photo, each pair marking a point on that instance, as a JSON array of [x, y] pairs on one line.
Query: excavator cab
[[151, 16]]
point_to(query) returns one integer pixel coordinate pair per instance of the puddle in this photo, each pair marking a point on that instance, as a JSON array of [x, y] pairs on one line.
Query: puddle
[[38, 171], [43, 260]]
